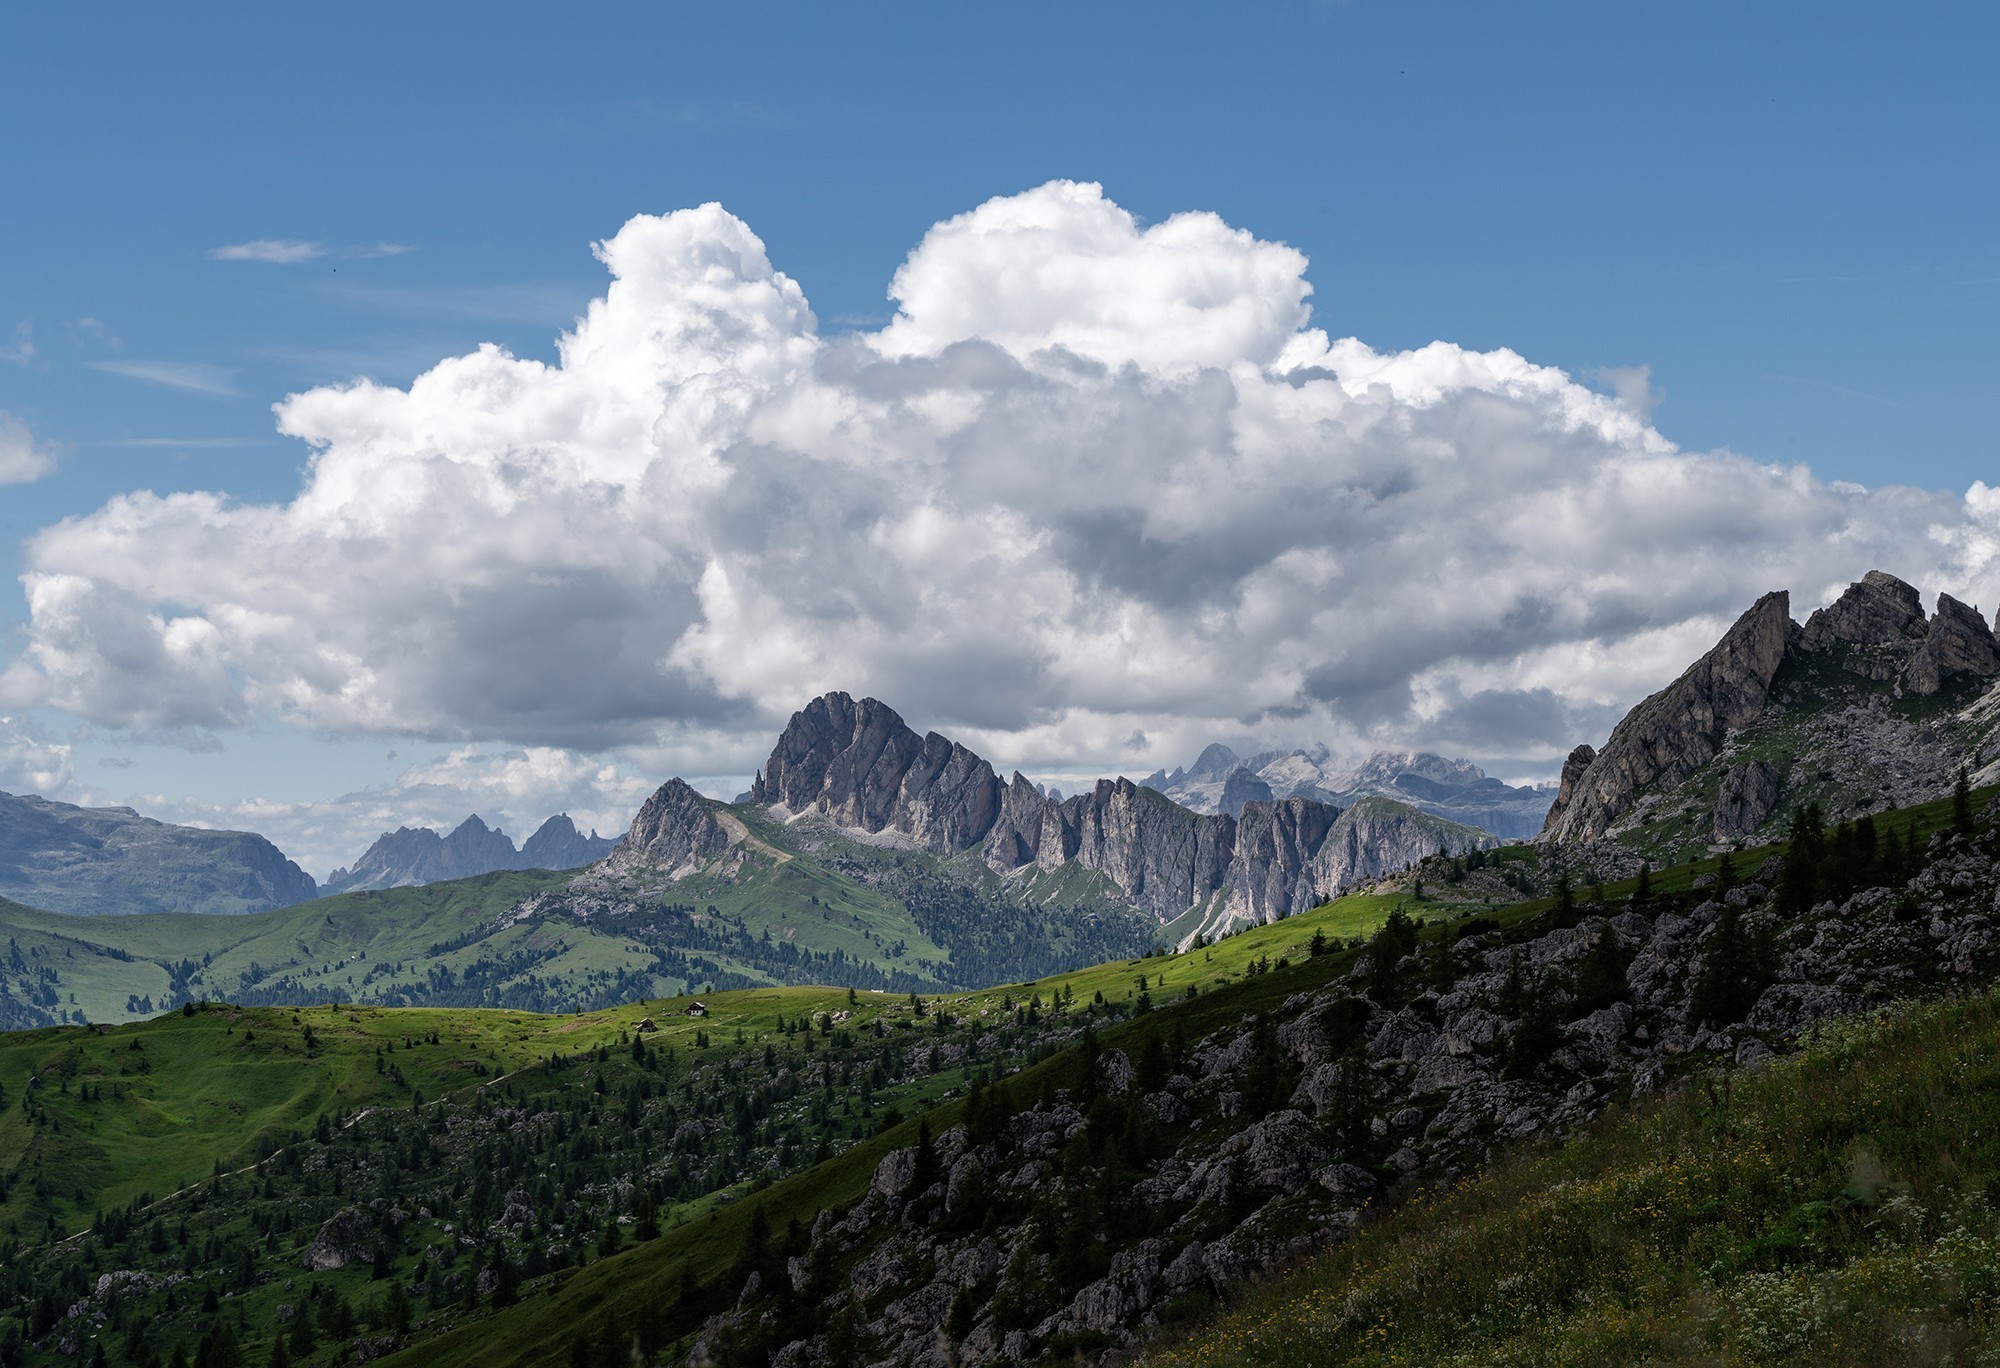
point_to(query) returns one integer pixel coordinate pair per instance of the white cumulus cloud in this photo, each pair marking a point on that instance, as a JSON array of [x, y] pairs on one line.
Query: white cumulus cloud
[[1092, 478]]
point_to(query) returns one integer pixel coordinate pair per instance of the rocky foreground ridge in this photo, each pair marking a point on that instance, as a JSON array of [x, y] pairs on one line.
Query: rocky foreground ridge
[[1864, 706], [1072, 1221], [858, 764]]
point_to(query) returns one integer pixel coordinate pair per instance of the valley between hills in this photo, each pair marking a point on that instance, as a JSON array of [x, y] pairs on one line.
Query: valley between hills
[[897, 1061]]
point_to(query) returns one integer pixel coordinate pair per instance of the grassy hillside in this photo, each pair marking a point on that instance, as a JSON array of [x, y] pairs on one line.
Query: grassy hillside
[[1832, 1208], [108, 969]]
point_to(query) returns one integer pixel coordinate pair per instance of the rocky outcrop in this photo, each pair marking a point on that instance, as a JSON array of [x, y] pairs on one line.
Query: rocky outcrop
[[411, 856], [111, 861], [1574, 768], [676, 829], [1871, 628], [859, 765], [1749, 794], [1958, 643], [350, 1235], [1667, 737]]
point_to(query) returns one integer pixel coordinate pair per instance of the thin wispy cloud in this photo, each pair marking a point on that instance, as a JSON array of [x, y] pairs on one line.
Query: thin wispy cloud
[[23, 350], [195, 377], [292, 251], [93, 332], [272, 251]]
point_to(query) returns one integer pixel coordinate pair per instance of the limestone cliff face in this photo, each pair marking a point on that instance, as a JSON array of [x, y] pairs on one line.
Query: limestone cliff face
[[859, 765], [1164, 856], [1278, 847], [1680, 728]]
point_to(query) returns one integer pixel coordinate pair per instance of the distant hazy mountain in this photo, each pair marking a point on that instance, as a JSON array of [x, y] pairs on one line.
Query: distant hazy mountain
[[410, 856], [97, 861], [1220, 781]]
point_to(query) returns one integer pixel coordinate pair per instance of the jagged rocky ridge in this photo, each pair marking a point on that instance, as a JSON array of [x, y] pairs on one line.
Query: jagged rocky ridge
[[1068, 1223], [409, 856], [858, 765], [1220, 781], [1861, 708], [100, 861]]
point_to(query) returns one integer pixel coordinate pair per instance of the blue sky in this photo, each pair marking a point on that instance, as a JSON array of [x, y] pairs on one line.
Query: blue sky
[[1787, 213]]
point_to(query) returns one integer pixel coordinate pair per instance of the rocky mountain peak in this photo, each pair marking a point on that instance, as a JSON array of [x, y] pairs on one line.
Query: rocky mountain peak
[[1875, 636], [557, 844], [1215, 761], [860, 764], [1958, 642], [1681, 727], [675, 828], [1872, 626]]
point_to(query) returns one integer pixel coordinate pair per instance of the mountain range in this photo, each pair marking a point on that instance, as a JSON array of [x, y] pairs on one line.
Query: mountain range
[[1221, 781], [860, 765], [866, 855], [409, 856]]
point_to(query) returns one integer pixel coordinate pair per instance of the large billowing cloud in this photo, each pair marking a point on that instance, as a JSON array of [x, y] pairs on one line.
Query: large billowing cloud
[[1097, 492]]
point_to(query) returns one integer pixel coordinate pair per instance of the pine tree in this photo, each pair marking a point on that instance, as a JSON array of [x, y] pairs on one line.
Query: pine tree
[[1961, 803], [1798, 884], [1600, 975], [1643, 894], [1535, 1035]]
